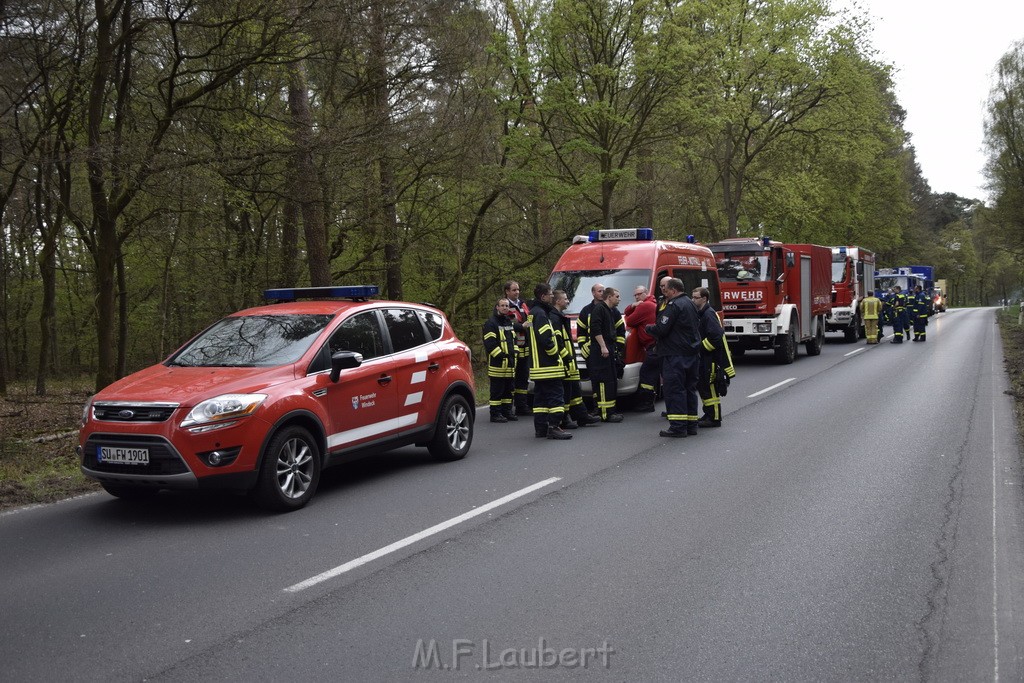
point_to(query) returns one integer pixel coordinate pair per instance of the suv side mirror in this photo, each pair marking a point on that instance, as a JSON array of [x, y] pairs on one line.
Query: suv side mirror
[[344, 360]]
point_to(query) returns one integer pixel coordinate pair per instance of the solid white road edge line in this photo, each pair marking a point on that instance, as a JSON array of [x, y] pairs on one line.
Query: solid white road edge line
[[409, 540], [995, 535], [774, 386], [863, 348]]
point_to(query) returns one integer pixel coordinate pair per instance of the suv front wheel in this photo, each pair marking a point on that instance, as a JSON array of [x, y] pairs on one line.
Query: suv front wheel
[[453, 433], [290, 471]]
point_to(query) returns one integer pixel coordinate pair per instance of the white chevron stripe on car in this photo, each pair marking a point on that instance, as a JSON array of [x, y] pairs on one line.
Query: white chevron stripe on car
[[350, 435]]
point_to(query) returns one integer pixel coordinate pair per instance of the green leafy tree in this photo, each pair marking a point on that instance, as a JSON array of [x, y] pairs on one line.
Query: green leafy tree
[[1004, 138]]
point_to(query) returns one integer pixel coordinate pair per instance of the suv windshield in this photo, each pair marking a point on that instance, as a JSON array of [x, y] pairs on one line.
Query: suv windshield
[[577, 284], [253, 341]]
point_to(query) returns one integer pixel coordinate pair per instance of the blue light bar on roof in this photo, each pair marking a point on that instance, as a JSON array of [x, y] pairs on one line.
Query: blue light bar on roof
[[293, 293], [635, 234]]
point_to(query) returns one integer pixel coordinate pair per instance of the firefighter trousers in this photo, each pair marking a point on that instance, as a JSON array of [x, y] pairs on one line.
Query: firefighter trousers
[[679, 374]]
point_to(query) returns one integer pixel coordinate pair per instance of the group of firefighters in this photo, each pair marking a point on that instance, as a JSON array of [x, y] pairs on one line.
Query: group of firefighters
[[533, 341], [898, 309]]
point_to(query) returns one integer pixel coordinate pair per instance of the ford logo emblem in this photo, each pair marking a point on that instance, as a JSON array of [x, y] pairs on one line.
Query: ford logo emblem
[[126, 414]]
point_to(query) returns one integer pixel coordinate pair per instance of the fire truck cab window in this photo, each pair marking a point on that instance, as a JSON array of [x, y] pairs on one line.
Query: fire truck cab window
[[692, 279], [743, 267]]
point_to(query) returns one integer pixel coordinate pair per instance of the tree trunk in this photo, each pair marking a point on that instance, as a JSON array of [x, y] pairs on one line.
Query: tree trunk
[[104, 222], [381, 118], [122, 315], [728, 202], [289, 273], [306, 189], [48, 273]]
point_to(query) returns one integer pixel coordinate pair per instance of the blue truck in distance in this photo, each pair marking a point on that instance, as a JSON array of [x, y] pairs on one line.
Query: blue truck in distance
[[907, 277]]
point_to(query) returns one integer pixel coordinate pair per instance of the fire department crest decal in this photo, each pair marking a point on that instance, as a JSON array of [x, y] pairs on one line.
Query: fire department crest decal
[[355, 403]]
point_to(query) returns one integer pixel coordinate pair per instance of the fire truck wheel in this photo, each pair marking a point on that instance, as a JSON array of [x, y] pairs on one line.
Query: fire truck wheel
[[785, 352], [851, 333], [814, 345]]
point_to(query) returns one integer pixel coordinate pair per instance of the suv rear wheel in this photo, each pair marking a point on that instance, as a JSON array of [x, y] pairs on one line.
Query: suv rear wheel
[[290, 471], [453, 433]]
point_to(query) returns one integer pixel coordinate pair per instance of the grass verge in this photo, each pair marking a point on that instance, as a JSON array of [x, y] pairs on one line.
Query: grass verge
[[38, 435], [1013, 359]]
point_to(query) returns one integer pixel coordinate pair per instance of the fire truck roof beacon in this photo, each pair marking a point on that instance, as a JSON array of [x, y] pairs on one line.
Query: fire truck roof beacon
[[629, 234], [355, 292], [690, 239], [766, 241]]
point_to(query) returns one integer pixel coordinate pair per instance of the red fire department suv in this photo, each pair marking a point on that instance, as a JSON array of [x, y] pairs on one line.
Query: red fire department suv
[[266, 398]]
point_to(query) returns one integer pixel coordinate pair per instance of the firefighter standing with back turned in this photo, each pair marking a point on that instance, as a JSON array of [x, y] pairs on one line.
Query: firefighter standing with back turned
[[601, 361], [920, 319], [870, 310], [678, 344]]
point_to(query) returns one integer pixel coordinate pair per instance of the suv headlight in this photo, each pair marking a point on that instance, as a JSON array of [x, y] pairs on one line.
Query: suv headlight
[[221, 408], [86, 410]]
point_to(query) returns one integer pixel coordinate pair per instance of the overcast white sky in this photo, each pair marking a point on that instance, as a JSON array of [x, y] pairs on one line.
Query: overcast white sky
[[945, 53]]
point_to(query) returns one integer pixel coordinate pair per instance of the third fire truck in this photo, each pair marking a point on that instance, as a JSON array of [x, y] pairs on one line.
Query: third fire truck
[[853, 274], [774, 295]]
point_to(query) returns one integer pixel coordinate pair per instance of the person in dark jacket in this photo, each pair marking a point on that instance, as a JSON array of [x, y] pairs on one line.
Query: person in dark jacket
[[576, 414], [920, 310], [601, 361], [500, 347], [520, 312], [548, 356], [678, 346], [583, 319], [638, 316], [716, 368]]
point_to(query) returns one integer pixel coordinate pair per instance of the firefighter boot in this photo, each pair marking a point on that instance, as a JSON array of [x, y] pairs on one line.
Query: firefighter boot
[[558, 433], [540, 426], [522, 406]]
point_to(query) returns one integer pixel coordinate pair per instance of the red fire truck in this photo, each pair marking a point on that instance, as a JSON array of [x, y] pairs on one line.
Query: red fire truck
[[774, 295], [624, 259], [853, 274]]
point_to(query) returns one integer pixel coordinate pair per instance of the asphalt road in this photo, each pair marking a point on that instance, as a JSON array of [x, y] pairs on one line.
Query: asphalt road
[[859, 516]]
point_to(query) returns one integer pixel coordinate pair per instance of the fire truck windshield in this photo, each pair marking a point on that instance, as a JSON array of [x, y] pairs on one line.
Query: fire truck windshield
[[577, 284], [740, 267]]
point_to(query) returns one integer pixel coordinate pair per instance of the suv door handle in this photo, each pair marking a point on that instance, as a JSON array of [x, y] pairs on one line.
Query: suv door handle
[[434, 367], [384, 379]]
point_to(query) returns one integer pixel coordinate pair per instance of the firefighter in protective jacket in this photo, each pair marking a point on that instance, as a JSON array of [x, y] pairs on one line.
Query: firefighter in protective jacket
[[716, 368], [500, 347], [547, 366]]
